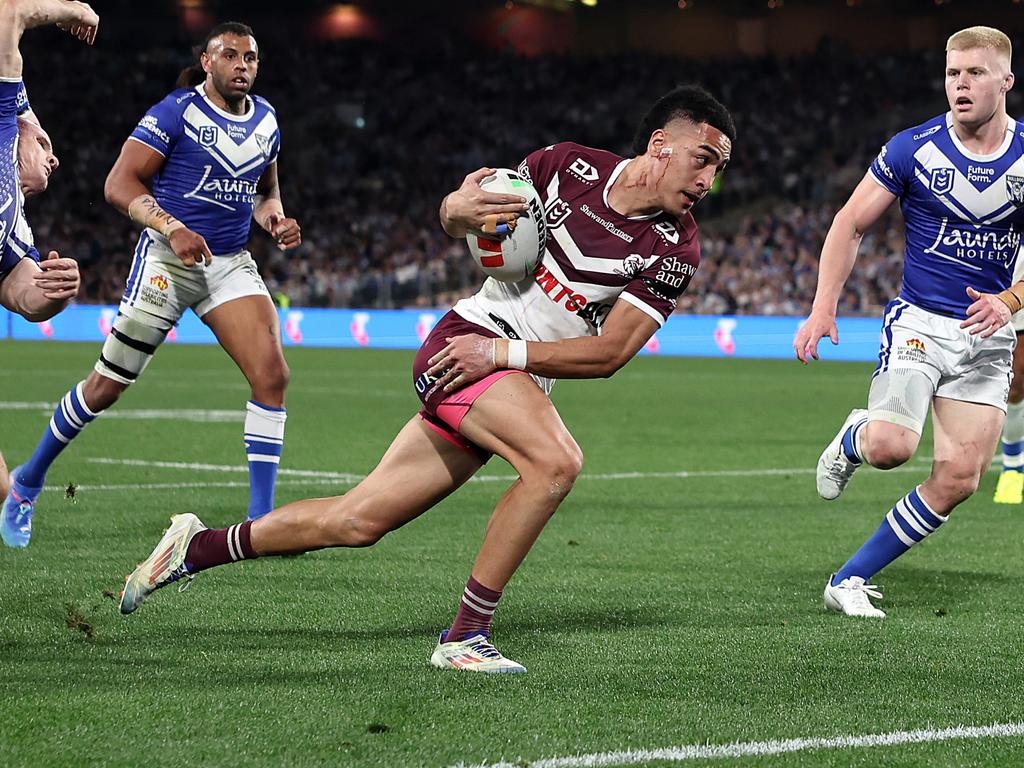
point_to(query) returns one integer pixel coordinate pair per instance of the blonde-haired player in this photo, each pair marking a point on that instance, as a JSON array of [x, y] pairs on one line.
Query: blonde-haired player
[[946, 342]]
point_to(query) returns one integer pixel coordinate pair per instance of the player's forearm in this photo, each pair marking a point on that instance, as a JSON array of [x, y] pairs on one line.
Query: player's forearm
[[26, 299], [451, 227], [838, 255], [267, 210], [39, 13], [585, 357], [145, 210]]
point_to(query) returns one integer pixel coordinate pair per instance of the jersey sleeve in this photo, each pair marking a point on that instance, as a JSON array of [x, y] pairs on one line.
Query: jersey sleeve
[[12, 94], [540, 166], [893, 167], [160, 128], [654, 290]]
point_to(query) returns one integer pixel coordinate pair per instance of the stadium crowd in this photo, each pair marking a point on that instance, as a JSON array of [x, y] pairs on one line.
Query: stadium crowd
[[378, 134]]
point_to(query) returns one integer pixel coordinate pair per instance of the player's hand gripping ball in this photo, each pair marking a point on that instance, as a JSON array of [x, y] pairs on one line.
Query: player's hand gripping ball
[[510, 251]]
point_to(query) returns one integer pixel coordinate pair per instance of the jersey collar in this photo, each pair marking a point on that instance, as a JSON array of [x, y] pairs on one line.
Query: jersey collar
[[249, 106], [611, 180], [1010, 127]]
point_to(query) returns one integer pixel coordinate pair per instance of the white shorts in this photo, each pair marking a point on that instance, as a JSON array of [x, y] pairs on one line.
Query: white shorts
[[1017, 322], [960, 366], [160, 286]]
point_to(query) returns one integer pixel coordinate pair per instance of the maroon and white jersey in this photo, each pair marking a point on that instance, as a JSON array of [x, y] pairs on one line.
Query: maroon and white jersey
[[593, 258]]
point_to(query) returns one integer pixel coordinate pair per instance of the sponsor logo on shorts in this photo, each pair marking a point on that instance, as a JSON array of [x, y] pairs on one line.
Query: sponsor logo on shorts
[[913, 351], [159, 282]]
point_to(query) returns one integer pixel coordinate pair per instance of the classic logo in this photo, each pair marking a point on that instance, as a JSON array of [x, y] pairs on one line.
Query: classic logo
[[583, 170], [916, 344], [159, 282], [929, 132], [1015, 189], [942, 180], [207, 135]]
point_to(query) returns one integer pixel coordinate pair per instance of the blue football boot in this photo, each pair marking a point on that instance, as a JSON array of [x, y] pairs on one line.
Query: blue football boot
[[16, 521]]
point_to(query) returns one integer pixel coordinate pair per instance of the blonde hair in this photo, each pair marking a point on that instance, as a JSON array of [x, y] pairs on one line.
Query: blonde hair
[[980, 37]]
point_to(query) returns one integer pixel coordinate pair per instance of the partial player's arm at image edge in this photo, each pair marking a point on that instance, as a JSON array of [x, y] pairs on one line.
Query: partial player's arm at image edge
[[18, 15]]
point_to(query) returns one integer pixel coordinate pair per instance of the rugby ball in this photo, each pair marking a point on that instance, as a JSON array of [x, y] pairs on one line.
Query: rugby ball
[[514, 255]]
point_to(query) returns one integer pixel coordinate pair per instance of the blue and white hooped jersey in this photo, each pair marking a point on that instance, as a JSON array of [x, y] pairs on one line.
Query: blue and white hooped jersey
[[214, 161], [15, 234], [964, 212]]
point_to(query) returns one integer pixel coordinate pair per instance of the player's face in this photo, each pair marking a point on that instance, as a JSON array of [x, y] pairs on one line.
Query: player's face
[[686, 158], [976, 82], [36, 160], [232, 62]]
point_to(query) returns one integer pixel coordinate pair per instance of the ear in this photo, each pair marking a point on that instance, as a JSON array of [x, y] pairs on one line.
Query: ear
[[205, 61], [656, 143], [1008, 82]]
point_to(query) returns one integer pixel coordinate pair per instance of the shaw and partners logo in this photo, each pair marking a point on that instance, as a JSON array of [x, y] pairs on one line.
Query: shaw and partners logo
[[965, 243]]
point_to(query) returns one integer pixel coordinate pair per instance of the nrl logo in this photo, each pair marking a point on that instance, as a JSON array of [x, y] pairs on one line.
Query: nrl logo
[[942, 180], [207, 135], [1015, 189]]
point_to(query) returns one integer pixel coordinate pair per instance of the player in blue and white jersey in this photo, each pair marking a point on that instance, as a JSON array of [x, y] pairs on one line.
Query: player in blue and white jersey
[[35, 289], [197, 168], [1010, 488], [946, 342]]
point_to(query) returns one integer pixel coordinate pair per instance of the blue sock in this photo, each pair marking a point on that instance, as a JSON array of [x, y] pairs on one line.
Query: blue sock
[[264, 440], [70, 417], [851, 442], [906, 524], [1013, 460]]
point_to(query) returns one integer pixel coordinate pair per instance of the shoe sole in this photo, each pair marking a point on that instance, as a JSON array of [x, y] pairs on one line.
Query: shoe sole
[[443, 664]]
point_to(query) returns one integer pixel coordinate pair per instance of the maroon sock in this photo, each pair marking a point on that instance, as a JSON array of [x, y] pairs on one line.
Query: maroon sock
[[476, 609], [217, 547]]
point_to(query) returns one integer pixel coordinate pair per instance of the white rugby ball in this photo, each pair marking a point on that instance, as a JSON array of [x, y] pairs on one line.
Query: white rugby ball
[[512, 256]]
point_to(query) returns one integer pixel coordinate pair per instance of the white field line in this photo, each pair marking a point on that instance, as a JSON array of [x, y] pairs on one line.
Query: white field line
[[348, 477], [179, 486], [763, 748], [138, 414]]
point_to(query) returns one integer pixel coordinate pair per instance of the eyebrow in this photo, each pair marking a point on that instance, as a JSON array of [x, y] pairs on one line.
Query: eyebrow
[[713, 151]]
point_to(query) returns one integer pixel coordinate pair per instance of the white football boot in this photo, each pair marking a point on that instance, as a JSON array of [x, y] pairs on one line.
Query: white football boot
[[850, 597], [474, 654], [834, 469], [165, 564]]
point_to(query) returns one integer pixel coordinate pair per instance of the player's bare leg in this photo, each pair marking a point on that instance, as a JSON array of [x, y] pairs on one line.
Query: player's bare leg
[[965, 438], [5, 481], [966, 435], [418, 470], [248, 329], [517, 421], [1010, 488]]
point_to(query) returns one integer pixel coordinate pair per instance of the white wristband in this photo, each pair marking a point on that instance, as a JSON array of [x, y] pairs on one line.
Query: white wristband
[[517, 354]]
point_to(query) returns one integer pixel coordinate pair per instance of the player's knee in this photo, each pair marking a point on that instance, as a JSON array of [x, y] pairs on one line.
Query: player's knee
[[889, 454], [271, 382], [560, 467], [351, 527]]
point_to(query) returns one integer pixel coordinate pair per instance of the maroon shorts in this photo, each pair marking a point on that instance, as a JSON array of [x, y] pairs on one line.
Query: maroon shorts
[[443, 411]]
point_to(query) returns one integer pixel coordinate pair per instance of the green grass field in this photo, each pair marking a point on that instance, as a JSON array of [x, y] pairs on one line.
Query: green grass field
[[657, 610]]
